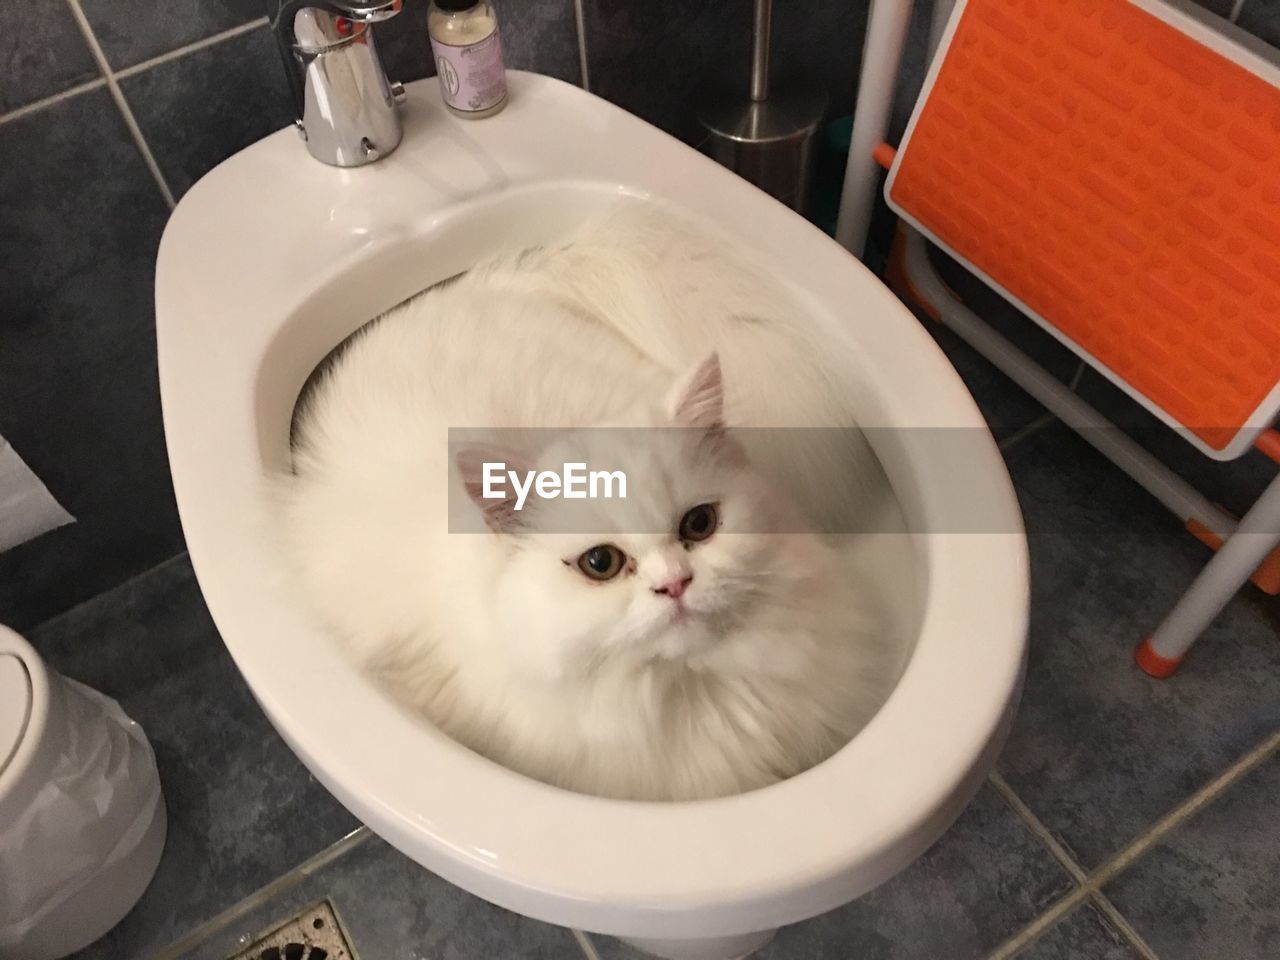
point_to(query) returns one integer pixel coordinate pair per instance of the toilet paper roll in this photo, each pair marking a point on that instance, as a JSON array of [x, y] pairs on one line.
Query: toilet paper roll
[[27, 508]]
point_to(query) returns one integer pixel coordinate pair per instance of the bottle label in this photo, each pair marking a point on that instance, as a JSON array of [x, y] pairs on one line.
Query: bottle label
[[472, 76]]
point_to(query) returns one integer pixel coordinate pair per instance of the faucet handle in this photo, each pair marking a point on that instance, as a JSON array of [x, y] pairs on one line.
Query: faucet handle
[[369, 12], [323, 31]]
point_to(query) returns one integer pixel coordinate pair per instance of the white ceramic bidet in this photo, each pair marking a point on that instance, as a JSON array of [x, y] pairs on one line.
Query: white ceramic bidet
[[271, 260]]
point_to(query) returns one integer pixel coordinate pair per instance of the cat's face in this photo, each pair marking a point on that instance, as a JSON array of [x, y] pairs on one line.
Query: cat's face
[[663, 574], [688, 555]]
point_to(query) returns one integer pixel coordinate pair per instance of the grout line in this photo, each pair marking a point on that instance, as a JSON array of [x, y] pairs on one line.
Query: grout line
[[1031, 932], [1124, 927], [129, 120], [260, 896], [584, 942], [25, 109], [1064, 905], [98, 597], [1059, 852], [1077, 376], [1234, 15], [1092, 887], [581, 20], [1035, 426], [1069, 863], [18, 112], [191, 48], [1186, 810]]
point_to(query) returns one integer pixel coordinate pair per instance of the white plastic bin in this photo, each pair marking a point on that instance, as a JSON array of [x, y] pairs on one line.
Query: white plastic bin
[[82, 818]]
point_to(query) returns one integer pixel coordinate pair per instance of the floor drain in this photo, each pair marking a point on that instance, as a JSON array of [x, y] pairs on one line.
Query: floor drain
[[314, 934]]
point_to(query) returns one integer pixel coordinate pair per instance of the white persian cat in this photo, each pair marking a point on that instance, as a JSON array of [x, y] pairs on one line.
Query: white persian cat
[[688, 641]]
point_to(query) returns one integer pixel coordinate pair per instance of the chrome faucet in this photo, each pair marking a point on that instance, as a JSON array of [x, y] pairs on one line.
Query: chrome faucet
[[346, 107]]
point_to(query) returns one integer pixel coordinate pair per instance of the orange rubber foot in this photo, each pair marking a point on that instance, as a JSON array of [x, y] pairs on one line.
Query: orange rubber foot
[[1152, 663]]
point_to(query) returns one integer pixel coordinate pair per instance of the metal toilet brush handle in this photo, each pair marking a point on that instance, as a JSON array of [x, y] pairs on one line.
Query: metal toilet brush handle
[[762, 23]]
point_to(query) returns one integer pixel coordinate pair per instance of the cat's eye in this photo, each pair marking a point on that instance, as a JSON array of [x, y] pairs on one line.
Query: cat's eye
[[603, 562], [699, 523]]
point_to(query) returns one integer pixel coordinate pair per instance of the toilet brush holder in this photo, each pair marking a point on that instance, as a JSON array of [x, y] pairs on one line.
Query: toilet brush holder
[[766, 134]]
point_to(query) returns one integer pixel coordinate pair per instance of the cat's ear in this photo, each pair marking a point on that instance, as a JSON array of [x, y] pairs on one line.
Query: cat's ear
[[483, 470], [697, 399]]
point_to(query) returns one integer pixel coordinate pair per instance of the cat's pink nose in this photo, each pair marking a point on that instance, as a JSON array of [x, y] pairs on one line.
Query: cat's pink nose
[[675, 588]]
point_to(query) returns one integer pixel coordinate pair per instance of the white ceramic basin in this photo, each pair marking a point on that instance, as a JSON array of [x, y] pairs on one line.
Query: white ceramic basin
[[272, 259]]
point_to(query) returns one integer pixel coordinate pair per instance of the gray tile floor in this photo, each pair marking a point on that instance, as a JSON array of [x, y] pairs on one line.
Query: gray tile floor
[[1128, 818]]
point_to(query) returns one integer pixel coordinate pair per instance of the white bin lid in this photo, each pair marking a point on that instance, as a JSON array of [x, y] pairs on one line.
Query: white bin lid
[[15, 705]]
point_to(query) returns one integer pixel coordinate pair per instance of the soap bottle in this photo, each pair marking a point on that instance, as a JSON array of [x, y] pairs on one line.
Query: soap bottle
[[468, 55]]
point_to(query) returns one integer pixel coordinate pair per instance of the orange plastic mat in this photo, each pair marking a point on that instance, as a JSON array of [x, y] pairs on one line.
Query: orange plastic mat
[[1120, 181]]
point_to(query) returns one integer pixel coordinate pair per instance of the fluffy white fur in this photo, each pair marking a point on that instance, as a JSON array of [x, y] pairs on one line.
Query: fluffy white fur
[[768, 663]]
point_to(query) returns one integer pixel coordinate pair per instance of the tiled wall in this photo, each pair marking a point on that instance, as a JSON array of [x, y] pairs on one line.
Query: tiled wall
[[111, 109]]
